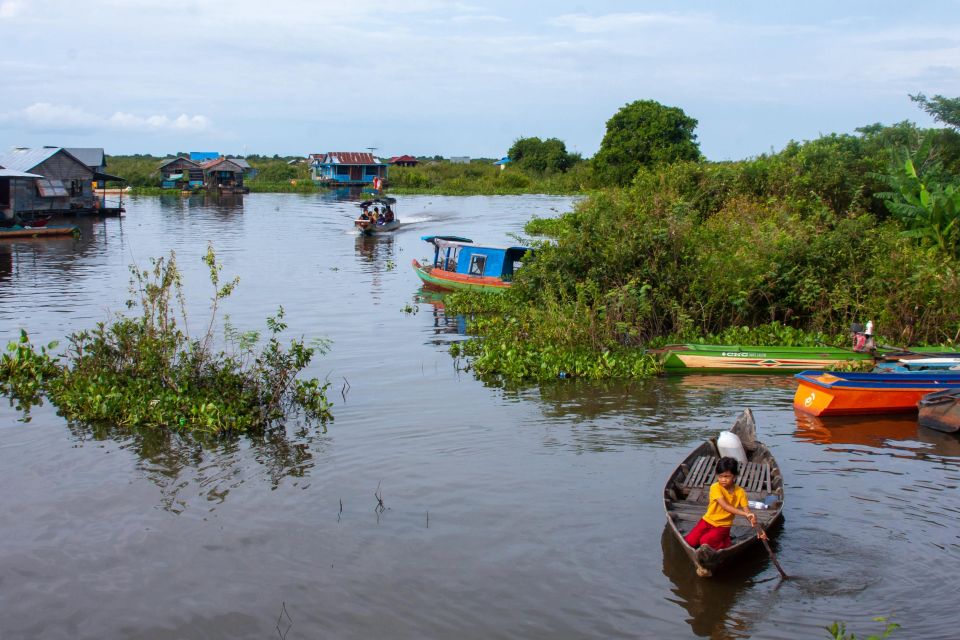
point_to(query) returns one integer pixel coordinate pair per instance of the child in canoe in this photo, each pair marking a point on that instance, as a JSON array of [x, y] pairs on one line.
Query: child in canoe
[[727, 500]]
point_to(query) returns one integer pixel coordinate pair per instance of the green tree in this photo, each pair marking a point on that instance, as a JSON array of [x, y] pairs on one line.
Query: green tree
[[542, 156], [643, 134], [945, 110]]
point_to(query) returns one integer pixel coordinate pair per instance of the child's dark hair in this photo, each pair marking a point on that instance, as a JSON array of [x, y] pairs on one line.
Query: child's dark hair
[[727, 463]]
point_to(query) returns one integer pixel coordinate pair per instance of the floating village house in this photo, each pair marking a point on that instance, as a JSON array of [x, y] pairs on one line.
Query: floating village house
[[64, 183], [346, 168], [223, 175], [181, 173], [403, 161], [11, 183]]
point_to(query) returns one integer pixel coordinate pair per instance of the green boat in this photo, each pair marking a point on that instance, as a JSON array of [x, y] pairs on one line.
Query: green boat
[[724, 358]]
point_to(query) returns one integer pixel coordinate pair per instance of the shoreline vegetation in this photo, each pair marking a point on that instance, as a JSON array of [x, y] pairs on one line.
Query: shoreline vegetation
[[786, 248]]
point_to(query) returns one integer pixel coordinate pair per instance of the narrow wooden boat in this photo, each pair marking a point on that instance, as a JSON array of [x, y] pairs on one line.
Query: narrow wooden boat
[[717, 358], [835, 393], [459, 264], [686, 495], [20, 232], [918, 365], [940, 410]]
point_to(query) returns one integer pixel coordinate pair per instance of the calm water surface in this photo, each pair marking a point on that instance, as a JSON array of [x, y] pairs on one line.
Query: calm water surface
[[510, 513]]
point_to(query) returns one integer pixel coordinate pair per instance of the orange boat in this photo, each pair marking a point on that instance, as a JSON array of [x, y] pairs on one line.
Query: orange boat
[[834, 393]]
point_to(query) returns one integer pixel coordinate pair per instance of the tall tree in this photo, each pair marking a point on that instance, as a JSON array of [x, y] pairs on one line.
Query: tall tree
[[945, 110], [542, 156], [644, 133]]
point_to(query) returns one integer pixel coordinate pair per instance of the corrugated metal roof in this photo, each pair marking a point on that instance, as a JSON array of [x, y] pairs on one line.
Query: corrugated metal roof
[[217, 162], [350, 157], [90, 156], [26, 159], [9, 173], [240, 162], [172, 160]]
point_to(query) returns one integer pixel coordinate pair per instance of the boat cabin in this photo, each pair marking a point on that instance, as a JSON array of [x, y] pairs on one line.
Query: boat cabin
[[461, 255]]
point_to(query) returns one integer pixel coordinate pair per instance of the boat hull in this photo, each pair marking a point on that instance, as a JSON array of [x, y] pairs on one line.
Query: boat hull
[[843, 394], [694, 358], [37, 232], [442, 280], [940, 411], [686, 496], [368, 229]]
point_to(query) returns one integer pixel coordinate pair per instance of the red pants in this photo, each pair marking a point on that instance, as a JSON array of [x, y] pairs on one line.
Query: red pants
[[706, 533]]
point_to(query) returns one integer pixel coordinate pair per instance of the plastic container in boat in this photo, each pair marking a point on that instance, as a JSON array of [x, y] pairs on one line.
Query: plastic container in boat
[[729, 445]]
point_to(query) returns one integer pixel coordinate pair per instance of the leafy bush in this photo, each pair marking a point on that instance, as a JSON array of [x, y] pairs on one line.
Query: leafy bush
[[146, 371]]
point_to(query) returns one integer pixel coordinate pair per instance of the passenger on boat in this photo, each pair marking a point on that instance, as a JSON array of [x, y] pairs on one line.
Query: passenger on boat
[[388, 215], [727, 499]]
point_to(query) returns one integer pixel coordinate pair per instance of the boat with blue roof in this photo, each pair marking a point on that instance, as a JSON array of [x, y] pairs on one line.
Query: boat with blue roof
[[461, 264]]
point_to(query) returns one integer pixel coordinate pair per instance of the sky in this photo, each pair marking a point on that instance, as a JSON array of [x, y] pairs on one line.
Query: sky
[[461, 78]]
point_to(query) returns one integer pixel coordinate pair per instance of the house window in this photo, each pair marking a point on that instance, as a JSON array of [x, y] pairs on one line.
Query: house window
[[76, 188], [476, 265]]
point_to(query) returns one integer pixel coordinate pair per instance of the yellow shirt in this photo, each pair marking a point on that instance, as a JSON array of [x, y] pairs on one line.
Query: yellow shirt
[[717, 515]]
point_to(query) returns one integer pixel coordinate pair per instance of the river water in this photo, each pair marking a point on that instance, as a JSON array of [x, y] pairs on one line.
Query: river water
[[530, 512]]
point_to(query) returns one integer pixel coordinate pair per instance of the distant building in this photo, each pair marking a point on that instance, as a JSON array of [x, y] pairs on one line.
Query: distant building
[[223, 175], [346, 168], [204, 156], [403, 161], [503, 162], [249, 172], [181, 173], [12, 185], [65, 184], [460, 159]]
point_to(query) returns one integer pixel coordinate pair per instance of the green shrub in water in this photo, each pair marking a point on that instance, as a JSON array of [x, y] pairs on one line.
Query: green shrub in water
[[147, 371]]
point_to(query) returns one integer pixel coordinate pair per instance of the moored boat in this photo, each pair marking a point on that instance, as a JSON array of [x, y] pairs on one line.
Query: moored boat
[[377, 216], [460, 264], [686, 495], [834, 393], [917, 365], [717, 358], [940, 410], [29, 231]]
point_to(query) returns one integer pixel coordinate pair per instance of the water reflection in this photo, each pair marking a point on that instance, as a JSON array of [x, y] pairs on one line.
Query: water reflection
[[710, 601], [444, 325], [880, 432], [180, 464]]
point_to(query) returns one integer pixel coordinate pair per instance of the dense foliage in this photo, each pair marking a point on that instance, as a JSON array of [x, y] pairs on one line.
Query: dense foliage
[[644, 133], [482, 177], [147, 371], [534, 155], [796, 242]]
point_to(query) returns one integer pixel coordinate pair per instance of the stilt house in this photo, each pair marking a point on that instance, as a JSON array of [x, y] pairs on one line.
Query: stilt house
[[344, 168], [65, 185]]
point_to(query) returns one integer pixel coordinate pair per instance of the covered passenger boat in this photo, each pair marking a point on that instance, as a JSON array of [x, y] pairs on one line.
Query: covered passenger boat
[[836, 393], [686, 496], [458, 264], [377, 216]]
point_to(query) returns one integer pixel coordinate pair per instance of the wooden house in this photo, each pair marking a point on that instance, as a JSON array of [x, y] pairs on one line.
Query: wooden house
[[13, 186], [403, 161], [344, 168], [249, 173], [65, 185], [181, 173], [223, 175]]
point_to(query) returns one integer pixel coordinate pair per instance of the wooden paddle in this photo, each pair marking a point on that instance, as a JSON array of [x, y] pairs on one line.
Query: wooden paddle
[[773, 556]]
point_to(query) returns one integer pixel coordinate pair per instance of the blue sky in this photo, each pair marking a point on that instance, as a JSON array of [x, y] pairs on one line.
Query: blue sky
[[427, 77]]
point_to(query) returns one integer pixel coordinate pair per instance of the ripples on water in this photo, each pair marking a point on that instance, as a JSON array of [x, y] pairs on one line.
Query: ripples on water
[[509, 512]]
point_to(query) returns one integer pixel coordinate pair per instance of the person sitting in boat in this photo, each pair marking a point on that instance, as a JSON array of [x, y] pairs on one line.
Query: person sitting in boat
[[388, 215], [727, 500]]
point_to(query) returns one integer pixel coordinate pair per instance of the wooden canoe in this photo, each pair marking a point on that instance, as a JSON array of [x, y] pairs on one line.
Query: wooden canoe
[[686, 495], [940, 410], [719, 358], [835, 393]]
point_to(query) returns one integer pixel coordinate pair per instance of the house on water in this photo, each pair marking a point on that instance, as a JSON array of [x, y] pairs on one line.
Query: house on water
[[65, 185], [403, 161], [181, 173], [12, 183], [223, 176], [346, 168]]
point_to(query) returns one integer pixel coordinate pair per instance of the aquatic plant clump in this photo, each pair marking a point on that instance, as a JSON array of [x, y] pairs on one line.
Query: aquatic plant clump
[[146, 371]]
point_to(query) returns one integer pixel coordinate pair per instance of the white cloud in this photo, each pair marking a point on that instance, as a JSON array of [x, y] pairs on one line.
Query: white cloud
[[10, 8], [583, 23], [44, 116]]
